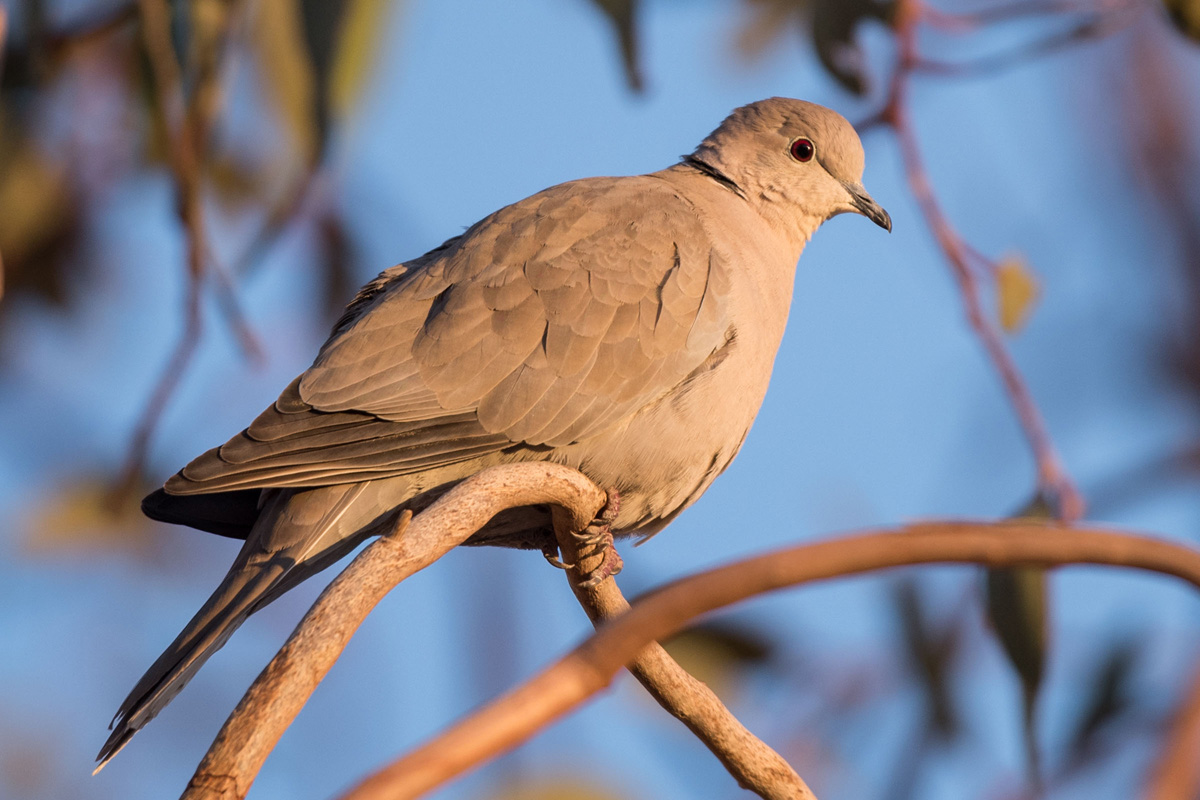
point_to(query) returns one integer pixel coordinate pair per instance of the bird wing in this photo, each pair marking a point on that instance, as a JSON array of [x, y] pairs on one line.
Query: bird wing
[[542, 325]]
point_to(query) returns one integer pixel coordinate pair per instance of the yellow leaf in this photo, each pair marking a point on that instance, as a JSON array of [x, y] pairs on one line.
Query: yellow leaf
[[80, 516], [287, 71], [554, 789], [1017, 290], [359, 35]]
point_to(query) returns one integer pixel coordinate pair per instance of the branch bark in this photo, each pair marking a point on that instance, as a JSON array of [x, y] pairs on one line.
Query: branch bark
[[1052, 477], [283, 688], [1176, 774], [589, 668], [753, 764]]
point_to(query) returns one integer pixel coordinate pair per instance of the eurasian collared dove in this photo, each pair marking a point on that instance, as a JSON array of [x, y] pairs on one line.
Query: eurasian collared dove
[[623, 326]]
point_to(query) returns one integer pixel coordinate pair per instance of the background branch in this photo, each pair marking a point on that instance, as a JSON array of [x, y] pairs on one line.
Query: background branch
[[186, 130], [751, 762], [1053, 479], [591, 666]]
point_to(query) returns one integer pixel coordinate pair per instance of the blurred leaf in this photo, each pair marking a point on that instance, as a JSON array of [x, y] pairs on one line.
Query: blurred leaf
[[1016, 609], [288, 72], [931, 652], [358, 39], [338, 280], [623, 16], [717, 652], [831, 25], [552, 789], [768, 20], [1109, 701], [40, 224], [835, 23], [235, 183], [80, 516], [1185, 14], [1016, 290]]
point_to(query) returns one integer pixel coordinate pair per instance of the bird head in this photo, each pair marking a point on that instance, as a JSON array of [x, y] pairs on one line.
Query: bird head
[[797, 163]]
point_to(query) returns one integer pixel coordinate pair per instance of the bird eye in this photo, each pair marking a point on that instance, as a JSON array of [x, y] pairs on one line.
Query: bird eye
[[803, 150]]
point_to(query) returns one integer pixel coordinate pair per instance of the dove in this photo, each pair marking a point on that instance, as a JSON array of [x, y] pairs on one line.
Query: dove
[[623, 326]]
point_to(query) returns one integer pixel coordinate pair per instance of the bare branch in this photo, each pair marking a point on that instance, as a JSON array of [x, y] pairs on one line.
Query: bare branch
[[754, 765], [590, 667], [187, 132], [1176, 774], [1092, 29], [1053, 479], [282, 689]]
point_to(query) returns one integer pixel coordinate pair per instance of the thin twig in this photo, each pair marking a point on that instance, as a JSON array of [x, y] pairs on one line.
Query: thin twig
[[753, 764], [1098, 27], [182, 157], [187, 131], [282, 689], [967, 22], [590, 667], [1053, 479]]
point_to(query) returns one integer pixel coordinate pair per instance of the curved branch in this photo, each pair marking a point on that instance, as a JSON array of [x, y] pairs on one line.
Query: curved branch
[[590, 667], [753, 764], [1176, 772], [282, 689]]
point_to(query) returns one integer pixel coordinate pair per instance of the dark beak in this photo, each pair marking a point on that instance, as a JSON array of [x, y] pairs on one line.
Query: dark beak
[[868, 207]]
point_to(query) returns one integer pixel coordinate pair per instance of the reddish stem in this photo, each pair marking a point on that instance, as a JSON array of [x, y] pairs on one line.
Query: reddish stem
[[1052, 478]]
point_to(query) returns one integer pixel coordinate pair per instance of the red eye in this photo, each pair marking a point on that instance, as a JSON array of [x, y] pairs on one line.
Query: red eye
[[802, 150]]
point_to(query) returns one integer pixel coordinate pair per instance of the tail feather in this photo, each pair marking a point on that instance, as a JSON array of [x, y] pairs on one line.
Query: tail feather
[[225, 611], [297, 535]]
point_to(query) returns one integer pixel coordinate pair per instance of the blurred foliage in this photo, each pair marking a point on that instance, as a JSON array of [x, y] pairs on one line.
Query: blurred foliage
[[549, 789], [1185, 14], [1108, 705], [720, 652], [830, 25], [622, 14], [80, 516], [930, 649], [1017, 291], [1016, 602], [312, 59]]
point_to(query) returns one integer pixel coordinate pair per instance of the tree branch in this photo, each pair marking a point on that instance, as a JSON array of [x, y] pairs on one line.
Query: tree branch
[[751, 762], [186, 128], [589, 668], [1176, 773], [282, 689], [1053, 479]]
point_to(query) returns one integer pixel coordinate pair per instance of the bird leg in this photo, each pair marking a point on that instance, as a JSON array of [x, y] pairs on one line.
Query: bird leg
[[597, 539], [594, 540]]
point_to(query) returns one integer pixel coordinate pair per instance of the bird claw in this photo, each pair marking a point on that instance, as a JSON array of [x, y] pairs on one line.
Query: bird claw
[[596, 539], [550, 553]]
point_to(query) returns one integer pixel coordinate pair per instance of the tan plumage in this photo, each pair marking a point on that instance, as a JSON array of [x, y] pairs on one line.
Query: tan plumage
[[623, 326]]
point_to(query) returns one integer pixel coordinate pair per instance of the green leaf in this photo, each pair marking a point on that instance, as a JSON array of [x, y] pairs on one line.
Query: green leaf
[[1185, 15], [344, 76], [1016, 603], [287, 72]]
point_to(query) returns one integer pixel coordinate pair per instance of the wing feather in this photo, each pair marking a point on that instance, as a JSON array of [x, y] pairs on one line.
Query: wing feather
[[544, 324]]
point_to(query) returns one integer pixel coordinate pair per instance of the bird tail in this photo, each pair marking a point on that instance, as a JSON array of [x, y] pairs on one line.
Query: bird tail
[[296, 535]]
